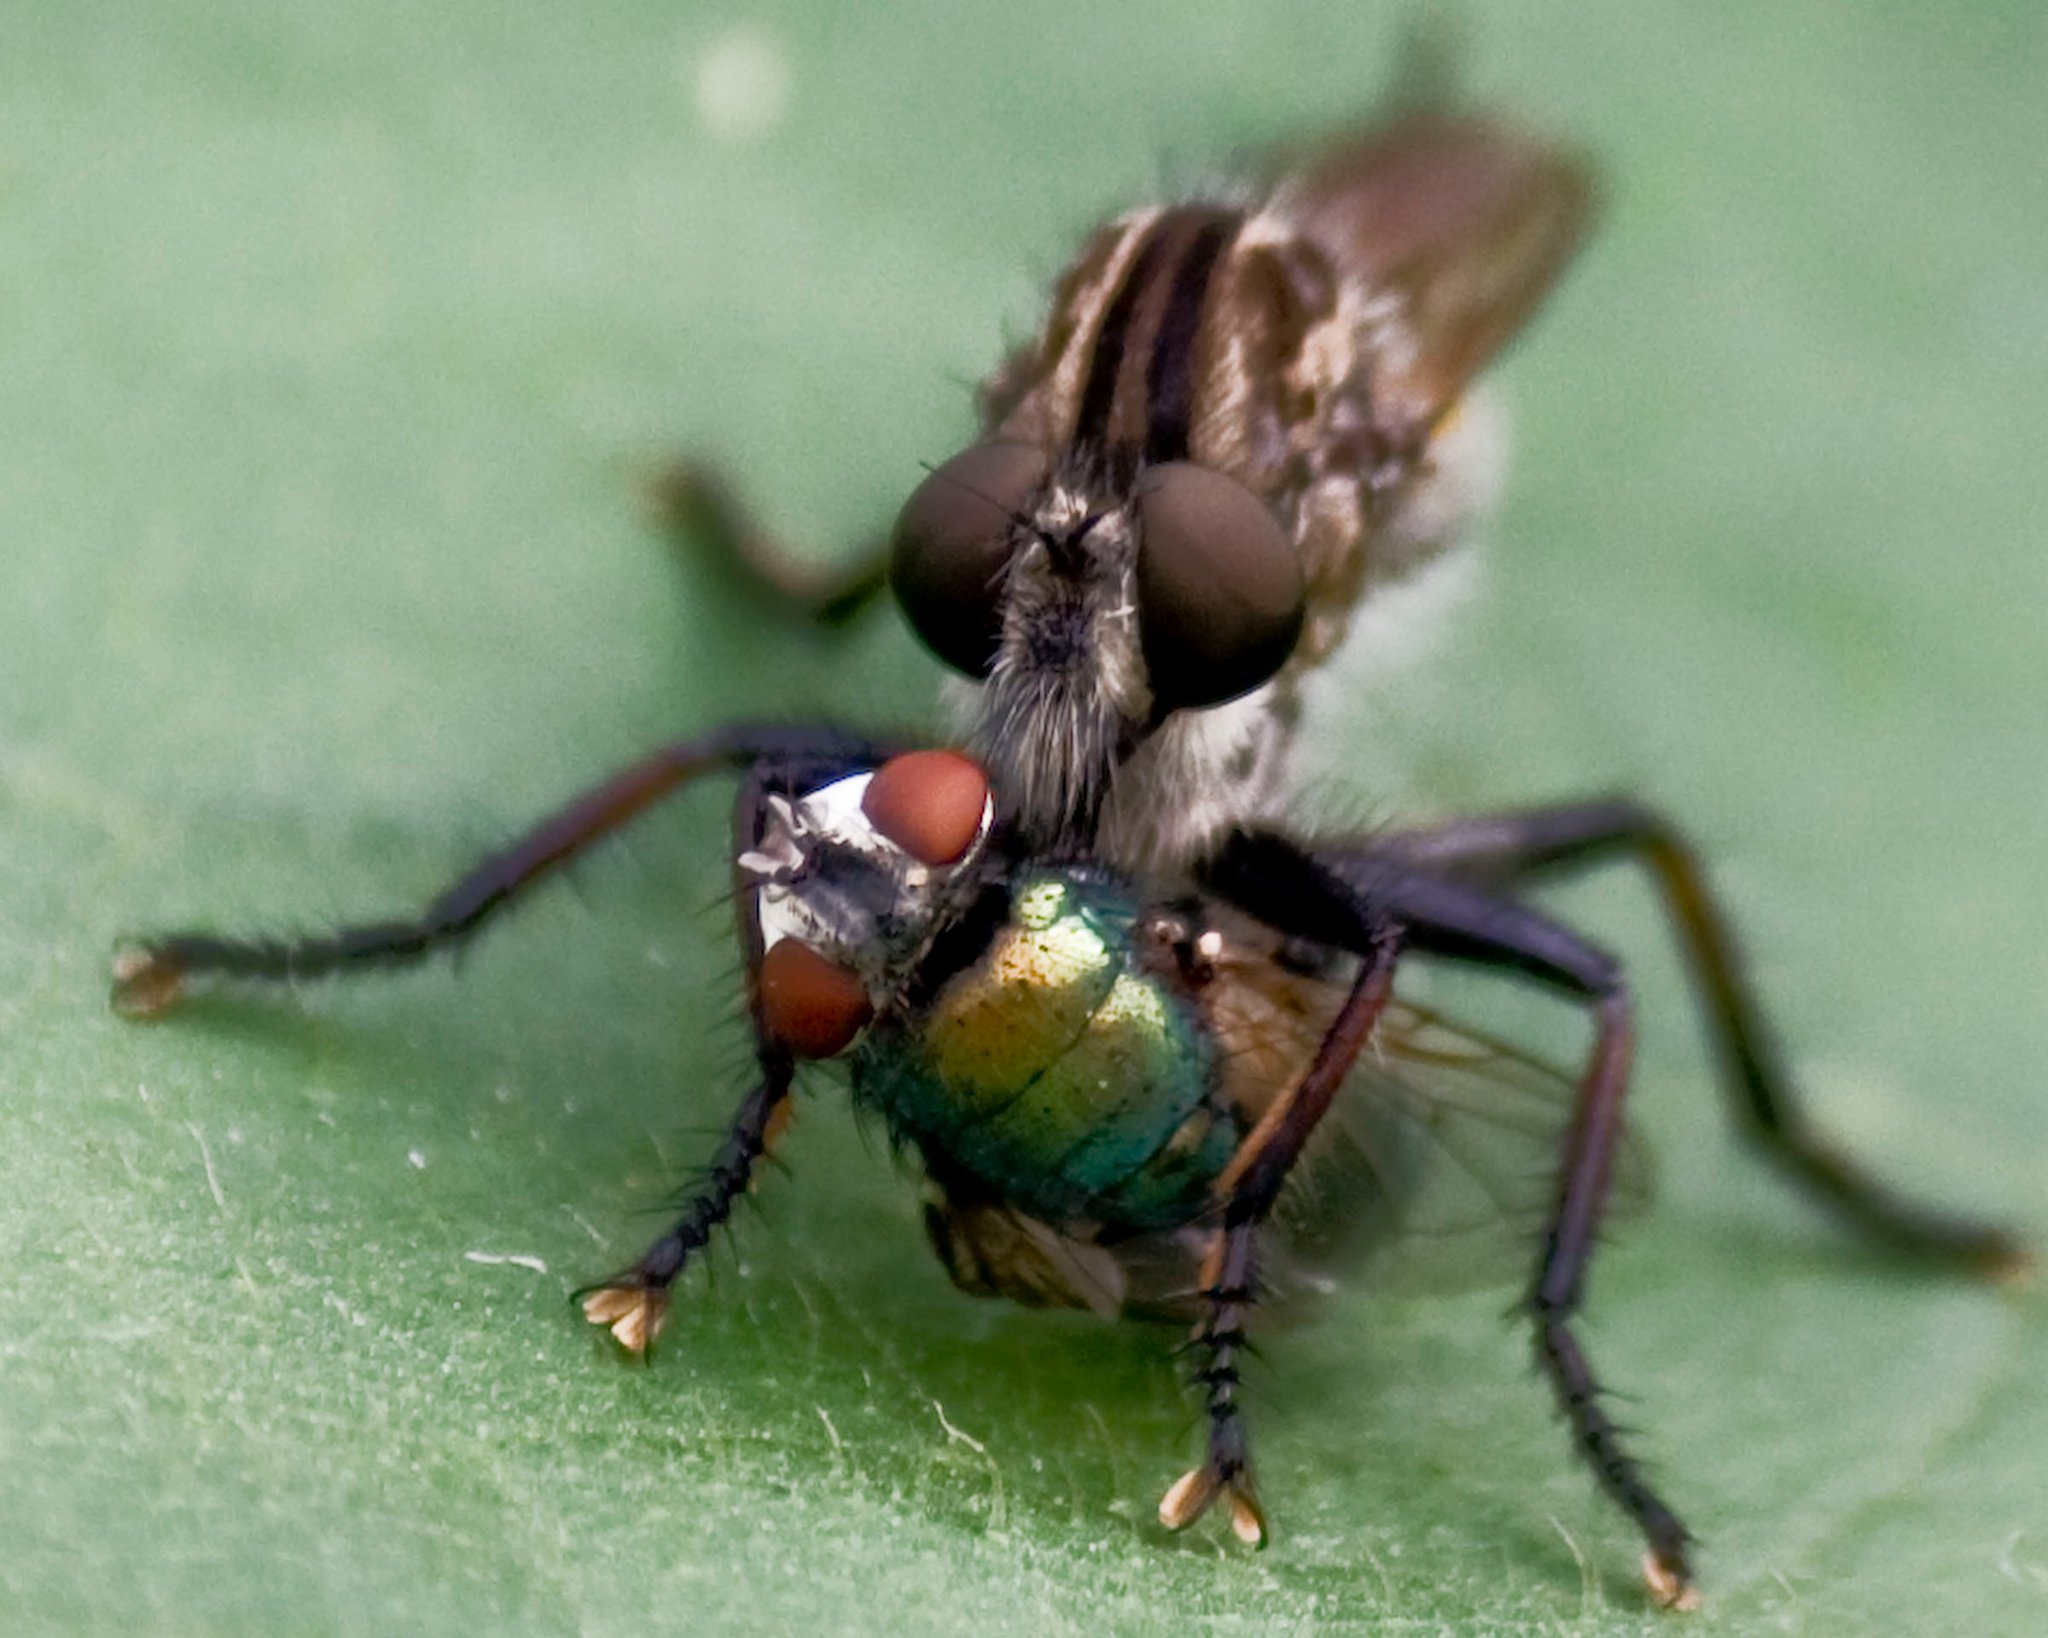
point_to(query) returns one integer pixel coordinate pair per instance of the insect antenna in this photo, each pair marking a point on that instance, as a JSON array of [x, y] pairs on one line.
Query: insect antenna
[[1015, 518]]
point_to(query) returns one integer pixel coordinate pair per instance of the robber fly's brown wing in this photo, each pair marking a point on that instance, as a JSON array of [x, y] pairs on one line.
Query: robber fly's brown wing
[[1466, 220], [1439, 1163]]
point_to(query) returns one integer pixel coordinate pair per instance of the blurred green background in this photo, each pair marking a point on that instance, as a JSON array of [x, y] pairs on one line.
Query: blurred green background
[[333, 342]]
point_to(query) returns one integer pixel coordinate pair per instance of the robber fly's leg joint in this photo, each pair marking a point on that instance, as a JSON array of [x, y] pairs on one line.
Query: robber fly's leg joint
[[1507, 852]]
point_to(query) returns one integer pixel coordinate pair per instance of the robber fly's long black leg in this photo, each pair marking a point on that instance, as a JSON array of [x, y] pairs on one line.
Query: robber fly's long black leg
[[633, 1303], [1246, 1192], [1512, 849], [153, 973], [692, 499], [1323, 899]]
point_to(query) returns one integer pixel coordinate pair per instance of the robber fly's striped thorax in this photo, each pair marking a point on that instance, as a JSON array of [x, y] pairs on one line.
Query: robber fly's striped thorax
[[1236, 424]]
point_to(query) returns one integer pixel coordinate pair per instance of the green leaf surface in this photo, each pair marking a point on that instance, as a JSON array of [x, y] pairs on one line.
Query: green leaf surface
[[333, 342]]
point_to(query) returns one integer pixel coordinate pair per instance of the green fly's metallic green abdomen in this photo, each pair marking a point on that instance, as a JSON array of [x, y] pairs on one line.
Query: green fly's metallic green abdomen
[[1057, 1069]]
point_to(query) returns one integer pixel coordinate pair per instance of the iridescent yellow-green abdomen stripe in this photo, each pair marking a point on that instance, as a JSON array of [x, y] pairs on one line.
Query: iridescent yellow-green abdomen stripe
[[1058, 1070]]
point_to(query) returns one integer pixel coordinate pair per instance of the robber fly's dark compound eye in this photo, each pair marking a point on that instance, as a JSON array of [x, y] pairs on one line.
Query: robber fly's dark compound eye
[[809, 1002], [952, 544], [929, 803], [1219, 590]]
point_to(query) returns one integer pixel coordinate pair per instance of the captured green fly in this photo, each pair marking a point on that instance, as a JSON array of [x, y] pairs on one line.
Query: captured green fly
[[1089, 970]]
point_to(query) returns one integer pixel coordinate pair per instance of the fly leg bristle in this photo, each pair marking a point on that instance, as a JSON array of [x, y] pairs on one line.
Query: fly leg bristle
[[633, 1303], [1227, 1288]]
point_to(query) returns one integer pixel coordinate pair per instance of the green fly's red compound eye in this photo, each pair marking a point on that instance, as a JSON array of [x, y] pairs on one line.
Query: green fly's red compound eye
[[929, 803], [809, 1002]]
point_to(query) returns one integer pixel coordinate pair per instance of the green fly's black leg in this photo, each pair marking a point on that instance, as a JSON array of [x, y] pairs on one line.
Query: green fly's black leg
[[691, 499], [1326, 899], [153, 974], [1510, 850], [633, 1303], [1246, 1192]]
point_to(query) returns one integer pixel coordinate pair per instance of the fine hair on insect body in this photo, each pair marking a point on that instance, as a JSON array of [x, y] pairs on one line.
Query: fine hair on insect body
[[1087, 967]]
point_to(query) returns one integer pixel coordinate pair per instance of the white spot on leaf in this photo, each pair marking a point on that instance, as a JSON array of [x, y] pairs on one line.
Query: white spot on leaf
[[741, 84]]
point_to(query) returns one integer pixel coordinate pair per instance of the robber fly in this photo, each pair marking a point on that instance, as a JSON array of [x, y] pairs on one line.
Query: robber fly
[[1243, 416]]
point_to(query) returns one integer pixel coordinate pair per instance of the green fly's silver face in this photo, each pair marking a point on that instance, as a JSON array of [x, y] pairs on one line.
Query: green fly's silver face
[[826, 875], [1140, 1029]]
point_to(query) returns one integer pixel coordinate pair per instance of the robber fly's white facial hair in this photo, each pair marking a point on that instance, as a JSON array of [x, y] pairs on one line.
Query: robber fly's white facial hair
[[1067, 695]]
